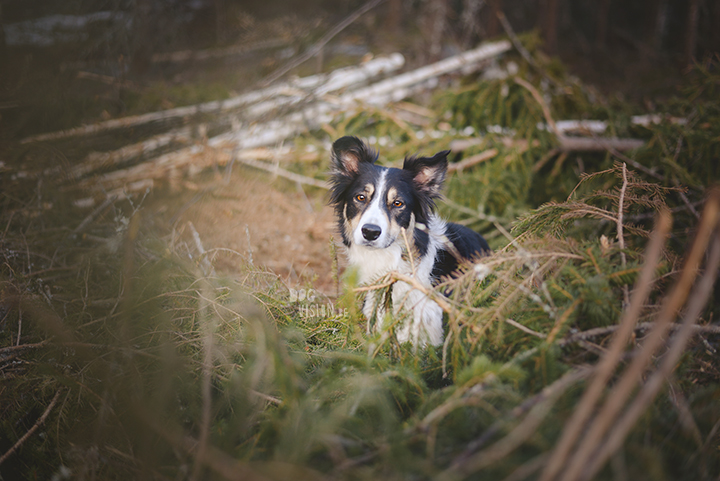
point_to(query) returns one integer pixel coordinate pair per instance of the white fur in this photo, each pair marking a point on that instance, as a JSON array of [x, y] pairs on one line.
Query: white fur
[[425, 327], [375, 214]]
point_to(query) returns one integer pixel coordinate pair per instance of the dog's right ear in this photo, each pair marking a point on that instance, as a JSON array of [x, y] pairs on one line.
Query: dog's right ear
[[348, 153]]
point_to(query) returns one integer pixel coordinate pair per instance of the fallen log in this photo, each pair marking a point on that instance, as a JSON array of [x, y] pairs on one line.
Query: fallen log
[[594, 144], [221, 148], [386, 91], [312, 85]]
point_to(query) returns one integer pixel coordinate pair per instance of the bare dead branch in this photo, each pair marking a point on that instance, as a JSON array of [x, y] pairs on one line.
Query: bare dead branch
[[34, 428]]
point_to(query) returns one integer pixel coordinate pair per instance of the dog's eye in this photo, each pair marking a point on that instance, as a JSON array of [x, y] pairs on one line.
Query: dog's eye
[[398, 203], [360, 197]]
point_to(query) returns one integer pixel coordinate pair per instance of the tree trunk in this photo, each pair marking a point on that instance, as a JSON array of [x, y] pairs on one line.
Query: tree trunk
[[602, 23], [715, 32], [493, 25], [393, 19], [691, 32], [437, 16], [549, 28]]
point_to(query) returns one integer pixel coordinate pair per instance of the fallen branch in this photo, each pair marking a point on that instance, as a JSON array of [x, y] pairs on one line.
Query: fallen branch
[[297, 88], [472, 160], [277, 170], [34, 428], [596, 144], [104, 160], [220, 149]]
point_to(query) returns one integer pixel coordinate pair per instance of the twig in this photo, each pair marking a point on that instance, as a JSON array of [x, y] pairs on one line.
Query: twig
[[617, 398], [34, 428], [620, 235], [108, 80], [637, 165], [520, 47], [109, 200], [13, 349], [205, 264], [525, 329], [607, 363], [409, 250], [543, 105], [394, 276], [472, 160], [318, 46], [515, 40], [643, 326], [277, 170], [527, 468]]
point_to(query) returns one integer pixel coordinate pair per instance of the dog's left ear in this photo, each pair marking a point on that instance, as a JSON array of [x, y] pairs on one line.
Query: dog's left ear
[[348, 153], [428, 172]]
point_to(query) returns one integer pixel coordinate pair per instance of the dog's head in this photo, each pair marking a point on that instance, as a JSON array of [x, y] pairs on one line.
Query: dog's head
[[373, 203]]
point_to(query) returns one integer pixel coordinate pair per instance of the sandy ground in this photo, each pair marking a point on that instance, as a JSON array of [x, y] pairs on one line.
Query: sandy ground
[[251, 215]]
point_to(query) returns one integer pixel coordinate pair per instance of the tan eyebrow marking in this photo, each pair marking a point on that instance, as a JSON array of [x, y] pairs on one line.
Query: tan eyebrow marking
[[391, 194]]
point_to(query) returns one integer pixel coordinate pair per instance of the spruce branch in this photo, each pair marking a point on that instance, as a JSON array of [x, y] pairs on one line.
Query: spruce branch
[[609, 361], [671, 304]]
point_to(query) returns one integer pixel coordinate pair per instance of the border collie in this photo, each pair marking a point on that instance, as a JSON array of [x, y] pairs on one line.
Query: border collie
[[381, 212]]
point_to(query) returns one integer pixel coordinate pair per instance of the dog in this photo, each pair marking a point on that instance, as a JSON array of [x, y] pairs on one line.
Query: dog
[[387, 220]]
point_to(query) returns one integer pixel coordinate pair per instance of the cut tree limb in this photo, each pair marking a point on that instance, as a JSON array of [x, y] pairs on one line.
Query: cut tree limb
[[589, 144], [472, 160], [221, 148], [324, 83]]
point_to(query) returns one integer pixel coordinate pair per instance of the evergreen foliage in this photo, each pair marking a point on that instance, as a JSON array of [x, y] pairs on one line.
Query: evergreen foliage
[[148, 365]]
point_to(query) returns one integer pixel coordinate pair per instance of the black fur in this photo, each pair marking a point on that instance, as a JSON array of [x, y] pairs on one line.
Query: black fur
[[418, 185], [468, 243]]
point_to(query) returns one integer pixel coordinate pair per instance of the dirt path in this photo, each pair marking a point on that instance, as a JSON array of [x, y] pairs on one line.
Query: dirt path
[[256, 216]]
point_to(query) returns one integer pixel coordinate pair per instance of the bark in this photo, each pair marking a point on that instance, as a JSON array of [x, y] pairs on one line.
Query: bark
[[602, 24], [550, 16], [222, 148], [691, 32], [493, 25]]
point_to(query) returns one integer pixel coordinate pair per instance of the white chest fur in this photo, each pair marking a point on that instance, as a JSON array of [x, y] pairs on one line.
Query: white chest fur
[[425, 326]]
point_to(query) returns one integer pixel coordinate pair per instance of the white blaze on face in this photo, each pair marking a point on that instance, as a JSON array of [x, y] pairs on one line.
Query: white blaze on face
[[375, 214]]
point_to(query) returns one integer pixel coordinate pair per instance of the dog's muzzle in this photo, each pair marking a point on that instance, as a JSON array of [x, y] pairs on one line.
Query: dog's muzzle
[[371, 232]]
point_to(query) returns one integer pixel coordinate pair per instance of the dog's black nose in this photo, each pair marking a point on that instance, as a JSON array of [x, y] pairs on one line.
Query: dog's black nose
[[371, 231]]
